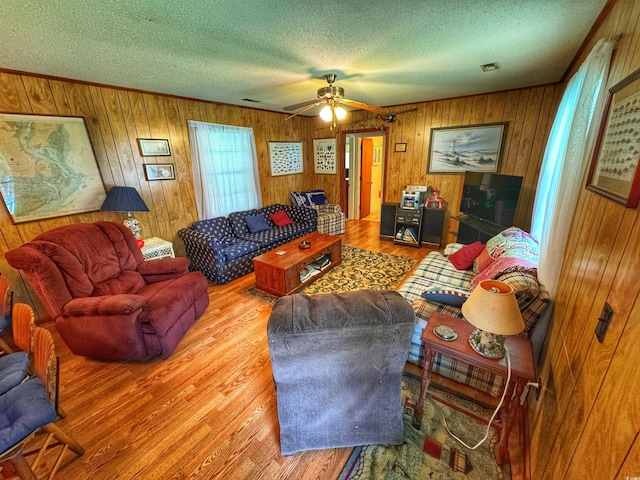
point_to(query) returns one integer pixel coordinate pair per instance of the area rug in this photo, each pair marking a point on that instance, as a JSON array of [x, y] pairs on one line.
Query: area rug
[[360, 269], [430, 453]]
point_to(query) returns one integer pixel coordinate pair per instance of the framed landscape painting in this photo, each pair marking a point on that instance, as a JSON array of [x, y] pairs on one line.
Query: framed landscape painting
[[47, 167], [474, 148]]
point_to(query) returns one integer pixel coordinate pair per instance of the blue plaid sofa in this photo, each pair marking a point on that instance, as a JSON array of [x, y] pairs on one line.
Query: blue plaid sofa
[[331, 218], [223, 247], [436, 273]]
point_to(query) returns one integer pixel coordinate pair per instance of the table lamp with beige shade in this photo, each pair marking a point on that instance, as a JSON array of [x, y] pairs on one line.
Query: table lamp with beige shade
[[493, 309]]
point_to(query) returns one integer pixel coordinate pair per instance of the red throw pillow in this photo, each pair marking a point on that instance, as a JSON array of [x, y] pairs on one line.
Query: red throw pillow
[[280, 218], [483, 261], [463, 258]]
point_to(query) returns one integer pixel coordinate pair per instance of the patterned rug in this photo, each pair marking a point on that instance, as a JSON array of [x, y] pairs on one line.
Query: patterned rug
[[430, 453], [359, 269]]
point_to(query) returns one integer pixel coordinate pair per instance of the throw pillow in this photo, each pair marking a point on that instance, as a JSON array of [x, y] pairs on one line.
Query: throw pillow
[[463, 258], [280, 218], [448, 296], [482, 262], [256, 223], [317, 197]]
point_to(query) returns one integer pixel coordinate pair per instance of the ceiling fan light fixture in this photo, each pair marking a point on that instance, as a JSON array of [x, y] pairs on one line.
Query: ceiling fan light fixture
[[326, 114], [340, 113]]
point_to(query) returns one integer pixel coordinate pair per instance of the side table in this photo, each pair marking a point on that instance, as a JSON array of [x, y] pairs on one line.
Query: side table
[[155, 248], [522, 368]]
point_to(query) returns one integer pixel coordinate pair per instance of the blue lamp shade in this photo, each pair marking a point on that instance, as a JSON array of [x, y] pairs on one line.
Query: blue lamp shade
[[126, 199], [123, 199]]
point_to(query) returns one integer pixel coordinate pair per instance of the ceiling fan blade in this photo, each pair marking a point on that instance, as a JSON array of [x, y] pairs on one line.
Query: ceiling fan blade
[[300, 105], [309, 107], [364, 106]]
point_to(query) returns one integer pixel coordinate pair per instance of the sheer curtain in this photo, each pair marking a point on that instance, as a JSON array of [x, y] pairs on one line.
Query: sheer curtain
[[567, 155], [225, 169]]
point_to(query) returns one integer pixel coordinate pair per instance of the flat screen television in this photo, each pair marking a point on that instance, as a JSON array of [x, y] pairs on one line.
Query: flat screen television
[[491, 197]]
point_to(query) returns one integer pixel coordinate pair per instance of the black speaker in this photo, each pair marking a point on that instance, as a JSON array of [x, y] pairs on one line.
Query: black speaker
[[432, 225], [387, 219]]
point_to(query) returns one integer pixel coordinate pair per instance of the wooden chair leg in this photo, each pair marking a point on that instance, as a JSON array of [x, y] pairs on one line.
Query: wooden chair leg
[[43, 448], [63, 437], [56, 465]]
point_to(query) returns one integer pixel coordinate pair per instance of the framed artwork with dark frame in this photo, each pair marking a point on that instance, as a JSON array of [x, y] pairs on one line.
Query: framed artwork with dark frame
[[159, 171], [400, 147], [474, 148], [614, 166], [47, 167], [151, 147]]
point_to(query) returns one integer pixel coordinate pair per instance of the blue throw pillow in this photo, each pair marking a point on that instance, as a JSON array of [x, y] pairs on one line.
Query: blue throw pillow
[[256, 223], [447, 296], [317, 197]]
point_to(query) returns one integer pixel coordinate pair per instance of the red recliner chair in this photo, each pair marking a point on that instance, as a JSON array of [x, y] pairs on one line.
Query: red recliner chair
[[107, 302]]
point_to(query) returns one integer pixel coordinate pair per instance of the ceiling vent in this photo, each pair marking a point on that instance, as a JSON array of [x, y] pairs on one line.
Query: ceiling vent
[[250, 100], [490, 67]]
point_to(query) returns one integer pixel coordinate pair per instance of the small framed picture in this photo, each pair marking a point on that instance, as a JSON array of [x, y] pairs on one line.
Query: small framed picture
[[150, 147], [159, 171], [401, 147]]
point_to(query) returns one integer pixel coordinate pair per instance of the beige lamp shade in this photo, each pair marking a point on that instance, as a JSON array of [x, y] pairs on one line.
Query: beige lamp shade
[[492, 307]]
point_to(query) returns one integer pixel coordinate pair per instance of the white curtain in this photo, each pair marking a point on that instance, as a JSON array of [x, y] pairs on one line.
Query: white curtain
[[567, 155], [225, 169]]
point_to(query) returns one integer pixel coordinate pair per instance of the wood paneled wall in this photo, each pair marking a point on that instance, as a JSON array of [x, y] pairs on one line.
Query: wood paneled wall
[[528, 111], [114, 119], [587, 421]]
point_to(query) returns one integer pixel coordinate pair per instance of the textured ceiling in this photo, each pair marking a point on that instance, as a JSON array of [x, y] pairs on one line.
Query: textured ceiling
[[384, 52]]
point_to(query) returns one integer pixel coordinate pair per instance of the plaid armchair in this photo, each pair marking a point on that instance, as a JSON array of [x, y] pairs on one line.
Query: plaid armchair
[[331, 218]]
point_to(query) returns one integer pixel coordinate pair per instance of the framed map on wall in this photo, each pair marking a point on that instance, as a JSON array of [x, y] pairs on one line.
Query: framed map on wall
[[285, 157], [324, 155], [47, 167]]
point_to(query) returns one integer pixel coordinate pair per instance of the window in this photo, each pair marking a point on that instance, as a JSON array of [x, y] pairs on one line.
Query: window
[[225, 169], [565, 161]]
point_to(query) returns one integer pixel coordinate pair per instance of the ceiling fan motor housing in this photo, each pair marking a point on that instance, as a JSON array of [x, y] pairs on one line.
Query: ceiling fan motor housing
[[330, 92]]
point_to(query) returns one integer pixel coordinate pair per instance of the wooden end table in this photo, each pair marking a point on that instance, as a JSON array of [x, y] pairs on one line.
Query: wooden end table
[[279, 273], [522, 368]]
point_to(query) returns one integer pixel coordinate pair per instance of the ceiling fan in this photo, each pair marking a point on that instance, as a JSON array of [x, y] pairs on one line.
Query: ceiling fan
[[332, 97]]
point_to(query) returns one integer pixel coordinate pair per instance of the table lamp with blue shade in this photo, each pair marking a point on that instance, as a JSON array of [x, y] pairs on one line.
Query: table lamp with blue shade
[[493, 309], [126, 199]]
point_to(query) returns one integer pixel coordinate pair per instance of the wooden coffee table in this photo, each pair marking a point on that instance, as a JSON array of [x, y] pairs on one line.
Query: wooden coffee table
[[279, 273]]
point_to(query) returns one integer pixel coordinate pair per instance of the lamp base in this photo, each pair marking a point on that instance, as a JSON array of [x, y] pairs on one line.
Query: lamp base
[[133, 224], [487, 344]]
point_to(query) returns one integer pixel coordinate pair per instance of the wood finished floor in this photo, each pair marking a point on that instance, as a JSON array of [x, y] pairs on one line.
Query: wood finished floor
[[207, 412]]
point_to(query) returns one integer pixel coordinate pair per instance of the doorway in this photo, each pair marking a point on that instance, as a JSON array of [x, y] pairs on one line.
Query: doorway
[[364, 174]]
